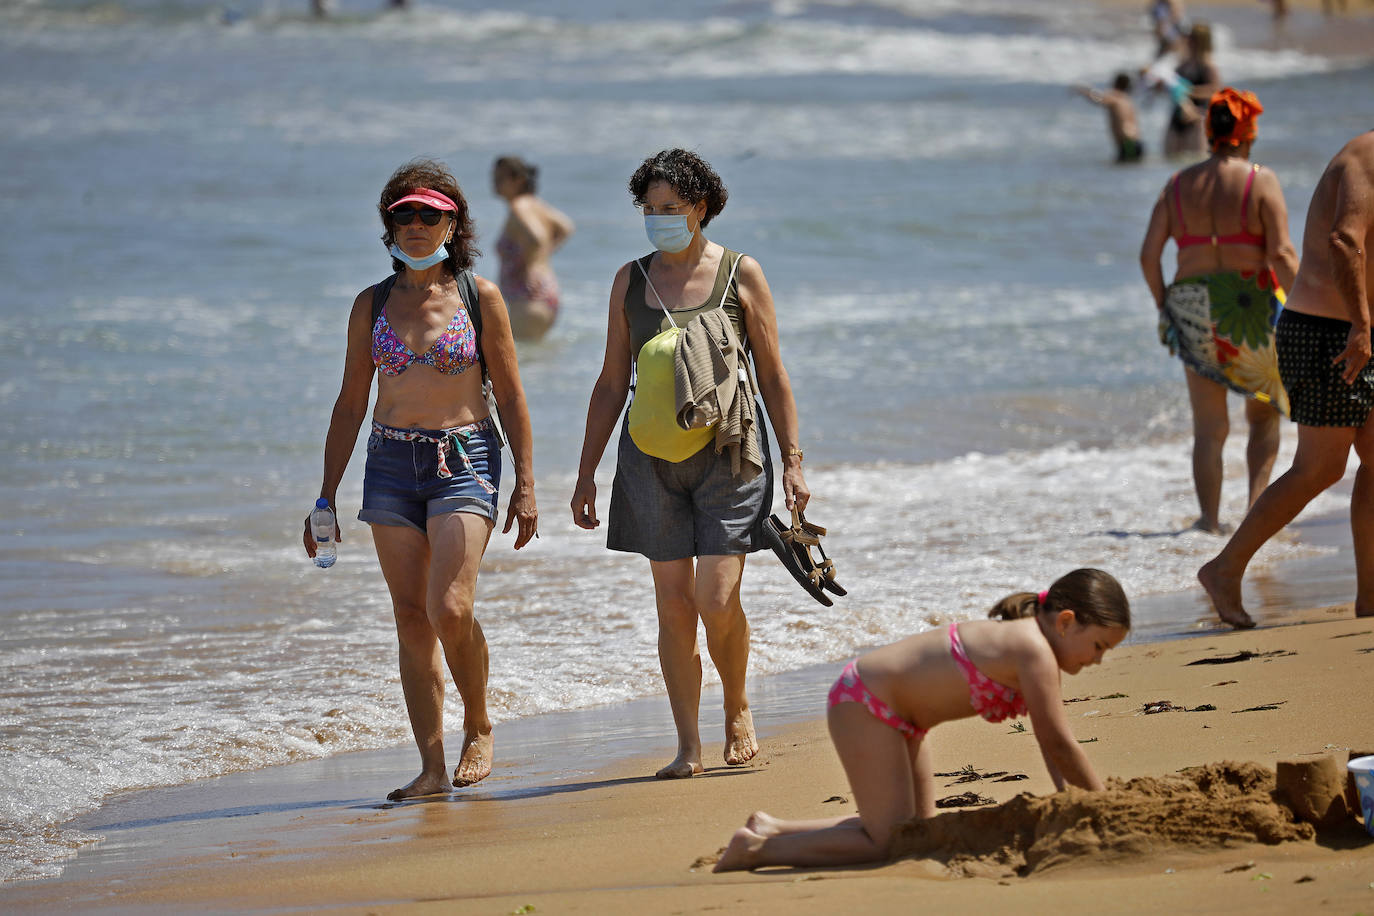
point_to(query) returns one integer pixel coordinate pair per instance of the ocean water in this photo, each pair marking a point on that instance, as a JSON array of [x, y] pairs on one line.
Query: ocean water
[[189, 207]]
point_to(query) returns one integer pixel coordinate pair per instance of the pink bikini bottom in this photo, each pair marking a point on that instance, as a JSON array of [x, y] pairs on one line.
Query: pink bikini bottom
[[850, 689]]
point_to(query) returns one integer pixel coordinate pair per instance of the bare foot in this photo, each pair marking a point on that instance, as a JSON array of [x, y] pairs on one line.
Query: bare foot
[[1213, 527], [1361, 611], [741, 852], [763, 824], [1224, 591], [475, 764], [684, 766], [424, 784], [740, 743]]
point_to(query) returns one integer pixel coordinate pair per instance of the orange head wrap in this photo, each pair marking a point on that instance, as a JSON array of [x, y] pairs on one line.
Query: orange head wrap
[[1244, 108]]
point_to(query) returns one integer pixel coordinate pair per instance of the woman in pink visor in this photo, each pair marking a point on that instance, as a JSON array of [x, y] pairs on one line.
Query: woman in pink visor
[[430, 332]]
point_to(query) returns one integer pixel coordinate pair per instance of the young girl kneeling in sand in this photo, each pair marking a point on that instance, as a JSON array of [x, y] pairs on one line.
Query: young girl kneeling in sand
[[886, 701]]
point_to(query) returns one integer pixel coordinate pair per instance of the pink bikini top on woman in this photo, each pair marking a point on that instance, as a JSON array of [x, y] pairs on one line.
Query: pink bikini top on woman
[[991, 700], [454, 350], [1243, 237]]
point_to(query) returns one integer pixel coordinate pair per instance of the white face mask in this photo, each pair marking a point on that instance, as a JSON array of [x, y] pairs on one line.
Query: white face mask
[[420, 263], [667, 232]]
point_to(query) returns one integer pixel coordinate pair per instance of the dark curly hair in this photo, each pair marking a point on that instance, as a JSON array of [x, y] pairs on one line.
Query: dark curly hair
[[1093, 595], [689, 175], [427, 173], [523, 172]]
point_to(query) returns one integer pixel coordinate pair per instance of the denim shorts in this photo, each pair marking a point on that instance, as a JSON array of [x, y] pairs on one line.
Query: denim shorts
[[694, 508], [405, 482]]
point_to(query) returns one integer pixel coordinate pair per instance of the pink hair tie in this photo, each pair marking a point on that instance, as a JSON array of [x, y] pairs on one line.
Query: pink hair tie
[[1043, 597]]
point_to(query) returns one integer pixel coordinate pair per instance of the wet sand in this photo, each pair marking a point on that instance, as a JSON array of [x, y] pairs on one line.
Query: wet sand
[[572, 820]]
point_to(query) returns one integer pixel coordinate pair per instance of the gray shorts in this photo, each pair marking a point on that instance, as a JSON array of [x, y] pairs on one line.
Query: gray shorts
[[1319, 396], [693, 508]]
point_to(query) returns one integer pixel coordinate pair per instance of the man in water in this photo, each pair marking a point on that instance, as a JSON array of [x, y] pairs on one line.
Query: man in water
[[1121, 117], [1324, 361]]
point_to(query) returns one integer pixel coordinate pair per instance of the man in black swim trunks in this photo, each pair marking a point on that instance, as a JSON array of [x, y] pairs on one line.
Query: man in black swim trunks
[[1324, 361], [1121, 117]]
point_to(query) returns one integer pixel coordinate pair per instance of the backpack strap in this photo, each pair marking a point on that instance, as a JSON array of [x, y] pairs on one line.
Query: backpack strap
[[472, 302], [380, 292]]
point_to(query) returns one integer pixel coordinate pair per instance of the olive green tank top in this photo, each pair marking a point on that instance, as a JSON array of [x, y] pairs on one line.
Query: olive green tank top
[[646, 317]]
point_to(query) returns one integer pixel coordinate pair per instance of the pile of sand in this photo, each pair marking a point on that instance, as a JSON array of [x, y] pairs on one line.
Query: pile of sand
[[1201, 808]]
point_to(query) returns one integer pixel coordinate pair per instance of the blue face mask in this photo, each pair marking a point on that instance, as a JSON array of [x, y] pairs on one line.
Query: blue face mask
[[419, 263], [668, 233]]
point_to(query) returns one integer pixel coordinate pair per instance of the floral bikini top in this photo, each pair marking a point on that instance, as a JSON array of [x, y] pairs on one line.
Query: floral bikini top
[[454, 350], [991, 700]]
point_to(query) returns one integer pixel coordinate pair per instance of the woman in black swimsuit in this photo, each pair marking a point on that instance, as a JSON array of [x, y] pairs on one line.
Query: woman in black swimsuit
[[1185, 135]]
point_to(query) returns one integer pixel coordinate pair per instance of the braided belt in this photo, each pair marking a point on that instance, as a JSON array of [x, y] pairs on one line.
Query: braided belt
[[453, 439]]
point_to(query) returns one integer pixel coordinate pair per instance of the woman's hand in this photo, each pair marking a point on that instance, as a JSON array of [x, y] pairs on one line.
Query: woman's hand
[[584, 504], [309, 536], [794, 488], [522, 509]]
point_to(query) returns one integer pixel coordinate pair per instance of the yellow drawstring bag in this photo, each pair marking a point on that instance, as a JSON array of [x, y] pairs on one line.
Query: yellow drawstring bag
[[653, 412]]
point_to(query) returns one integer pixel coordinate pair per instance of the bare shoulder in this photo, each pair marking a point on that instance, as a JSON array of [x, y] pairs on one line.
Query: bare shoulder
[[1020, 640], [750, 267], [486, 288], [620, 286], [750, 274], [364, 299], [622, 276], [1267, 181], [1356, 160]]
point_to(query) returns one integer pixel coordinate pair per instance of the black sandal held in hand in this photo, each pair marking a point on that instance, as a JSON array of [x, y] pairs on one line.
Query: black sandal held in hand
[[793, 546]]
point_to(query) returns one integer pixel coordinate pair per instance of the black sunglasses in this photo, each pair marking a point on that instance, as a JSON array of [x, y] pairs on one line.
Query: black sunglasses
[[404, 216]]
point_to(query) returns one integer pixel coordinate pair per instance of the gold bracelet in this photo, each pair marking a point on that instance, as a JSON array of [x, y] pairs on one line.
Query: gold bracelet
[[801, 456]]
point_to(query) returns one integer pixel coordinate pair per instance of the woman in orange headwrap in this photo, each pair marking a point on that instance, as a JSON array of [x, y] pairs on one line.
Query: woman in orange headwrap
[[1230, 223]]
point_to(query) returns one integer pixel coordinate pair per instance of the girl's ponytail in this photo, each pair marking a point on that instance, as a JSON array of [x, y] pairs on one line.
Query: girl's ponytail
[[1014, 607], [1094, 596]]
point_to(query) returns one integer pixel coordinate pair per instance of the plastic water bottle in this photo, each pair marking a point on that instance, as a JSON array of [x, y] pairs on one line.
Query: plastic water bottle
[[322, 527]]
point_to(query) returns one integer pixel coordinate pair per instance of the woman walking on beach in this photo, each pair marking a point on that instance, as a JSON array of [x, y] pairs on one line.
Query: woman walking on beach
[[534, 230], [433, 453], [1230, 223], [885, 703], [695, 519]]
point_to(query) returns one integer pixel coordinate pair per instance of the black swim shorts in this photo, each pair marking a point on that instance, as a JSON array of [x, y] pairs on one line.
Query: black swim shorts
[[1307, 344]]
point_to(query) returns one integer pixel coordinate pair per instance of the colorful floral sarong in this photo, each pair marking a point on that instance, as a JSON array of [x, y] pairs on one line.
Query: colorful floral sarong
[[1222, 327]]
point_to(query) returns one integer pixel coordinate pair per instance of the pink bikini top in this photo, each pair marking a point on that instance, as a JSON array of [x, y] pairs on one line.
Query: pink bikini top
[[991, 700], [1243, 237], [454, 350]]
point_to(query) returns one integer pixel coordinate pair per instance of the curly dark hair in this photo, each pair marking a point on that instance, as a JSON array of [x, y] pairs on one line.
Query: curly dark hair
[[1095, 597], [523, 172], [428, 173], [690, 176]]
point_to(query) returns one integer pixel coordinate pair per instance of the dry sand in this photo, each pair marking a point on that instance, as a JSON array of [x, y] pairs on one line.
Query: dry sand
[[617, 841]]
